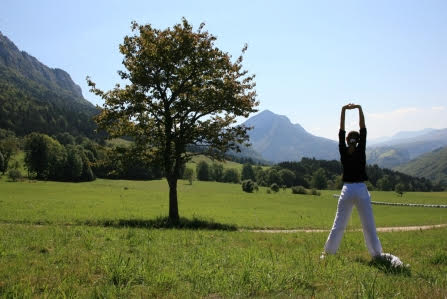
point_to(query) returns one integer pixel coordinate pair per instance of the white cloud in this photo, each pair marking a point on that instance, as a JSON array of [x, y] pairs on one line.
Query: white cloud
[[405, 119], [438, 108]]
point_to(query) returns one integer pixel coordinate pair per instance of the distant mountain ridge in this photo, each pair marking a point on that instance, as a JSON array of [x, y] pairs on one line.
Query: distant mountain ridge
[[277, 139], [383, 141], [400, 151], [36, 98]]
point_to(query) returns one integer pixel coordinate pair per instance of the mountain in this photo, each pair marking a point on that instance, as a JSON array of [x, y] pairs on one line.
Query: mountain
[[383, 141], [397, 152], [386, 156], [429, 137], [277, 139], [36, 98], [432, 165]]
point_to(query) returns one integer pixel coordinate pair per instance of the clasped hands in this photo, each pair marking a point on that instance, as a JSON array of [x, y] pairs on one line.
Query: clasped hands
[[351, 106]]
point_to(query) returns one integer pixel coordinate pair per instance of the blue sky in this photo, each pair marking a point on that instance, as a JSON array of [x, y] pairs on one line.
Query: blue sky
[[310, 57]]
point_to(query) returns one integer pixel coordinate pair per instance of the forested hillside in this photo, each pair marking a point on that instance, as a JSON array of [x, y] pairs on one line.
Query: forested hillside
[[36, 98], [431, 165]]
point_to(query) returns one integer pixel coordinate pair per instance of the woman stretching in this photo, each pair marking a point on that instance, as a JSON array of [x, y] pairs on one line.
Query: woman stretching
[[354, 192]]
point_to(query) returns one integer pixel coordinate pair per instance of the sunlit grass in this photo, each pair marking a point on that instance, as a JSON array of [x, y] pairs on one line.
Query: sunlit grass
[[82, 261], [77, 203]]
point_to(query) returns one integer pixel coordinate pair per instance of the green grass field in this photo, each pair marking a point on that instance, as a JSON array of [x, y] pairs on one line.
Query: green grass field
[[55, 242], [105, 200]]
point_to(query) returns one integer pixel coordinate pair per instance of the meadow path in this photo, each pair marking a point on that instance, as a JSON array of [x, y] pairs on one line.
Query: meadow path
[[379, 229]]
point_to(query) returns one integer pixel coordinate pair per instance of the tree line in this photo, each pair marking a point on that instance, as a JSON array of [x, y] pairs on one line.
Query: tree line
[[312, 174], [63, 157]]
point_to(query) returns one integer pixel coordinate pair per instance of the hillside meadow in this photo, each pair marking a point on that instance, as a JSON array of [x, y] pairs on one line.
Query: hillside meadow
[[89, 240]]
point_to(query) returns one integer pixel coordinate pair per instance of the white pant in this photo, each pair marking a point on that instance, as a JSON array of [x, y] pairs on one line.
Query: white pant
[[354, 194]]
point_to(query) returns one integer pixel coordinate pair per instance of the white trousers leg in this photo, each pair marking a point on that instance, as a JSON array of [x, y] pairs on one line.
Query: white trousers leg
[[354, 194], [363, 204]]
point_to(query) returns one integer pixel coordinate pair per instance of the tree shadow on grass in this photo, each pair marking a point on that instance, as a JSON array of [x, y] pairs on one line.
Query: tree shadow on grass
[[386, 266], [164, 222]]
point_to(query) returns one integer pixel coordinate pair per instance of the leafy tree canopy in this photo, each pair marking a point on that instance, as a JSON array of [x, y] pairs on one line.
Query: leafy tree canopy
[[181, 90]]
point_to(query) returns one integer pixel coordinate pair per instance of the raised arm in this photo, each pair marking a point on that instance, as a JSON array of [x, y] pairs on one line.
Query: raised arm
[[361, 117], [342, 117]]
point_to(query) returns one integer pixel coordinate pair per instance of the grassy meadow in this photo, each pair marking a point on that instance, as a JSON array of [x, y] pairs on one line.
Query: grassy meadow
[[80, 240], [110, 200]]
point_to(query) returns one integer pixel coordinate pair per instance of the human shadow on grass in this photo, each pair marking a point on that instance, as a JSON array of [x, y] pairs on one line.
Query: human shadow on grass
[[386, 266], [163, 223]]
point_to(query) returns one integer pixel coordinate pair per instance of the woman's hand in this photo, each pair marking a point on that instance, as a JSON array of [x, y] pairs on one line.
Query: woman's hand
[[350, 106]]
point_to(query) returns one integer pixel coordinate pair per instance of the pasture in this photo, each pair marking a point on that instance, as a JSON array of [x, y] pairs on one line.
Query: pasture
[[89, 240], [109, 200]]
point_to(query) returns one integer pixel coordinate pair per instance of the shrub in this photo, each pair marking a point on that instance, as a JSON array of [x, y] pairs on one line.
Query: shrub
[[315, 192], [188, 174], [249, 186], [399, 189], [298, 190], [269, 191], [231, 175], [274, 187], [203, 171], [14, 175]]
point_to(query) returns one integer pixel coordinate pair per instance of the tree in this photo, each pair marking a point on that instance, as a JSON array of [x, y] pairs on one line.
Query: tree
[[319, 180], [231, 175], [273, 177], [247, 172], [261, 176], [65, 138], [73, 164], [217, 171], [9, 147], [44, 156], [384, 183], [399, 189], [182, 90], [188, 174], [2, 163], [339, 182], [287, 177], [203, 171]]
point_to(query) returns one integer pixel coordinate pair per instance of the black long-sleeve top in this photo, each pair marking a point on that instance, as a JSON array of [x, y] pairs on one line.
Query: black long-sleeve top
[[353, 164]]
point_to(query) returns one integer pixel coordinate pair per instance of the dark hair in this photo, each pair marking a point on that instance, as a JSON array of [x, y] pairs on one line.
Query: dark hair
[[353, 134]]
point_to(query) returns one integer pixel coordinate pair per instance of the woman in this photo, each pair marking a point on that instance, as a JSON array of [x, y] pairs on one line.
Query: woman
[[354, 191]]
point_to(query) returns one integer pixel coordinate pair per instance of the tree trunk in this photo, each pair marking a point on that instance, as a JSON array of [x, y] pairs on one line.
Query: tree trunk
[[173, 203]]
